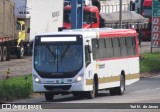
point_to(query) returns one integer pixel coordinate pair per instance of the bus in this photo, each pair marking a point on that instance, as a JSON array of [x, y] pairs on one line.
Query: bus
[[84, 61]]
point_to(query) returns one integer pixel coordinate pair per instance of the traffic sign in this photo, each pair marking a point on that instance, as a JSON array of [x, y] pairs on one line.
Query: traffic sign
[[155, 23]]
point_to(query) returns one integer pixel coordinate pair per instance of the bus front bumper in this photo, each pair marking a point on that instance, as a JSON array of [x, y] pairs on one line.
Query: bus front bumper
[[40, 88]]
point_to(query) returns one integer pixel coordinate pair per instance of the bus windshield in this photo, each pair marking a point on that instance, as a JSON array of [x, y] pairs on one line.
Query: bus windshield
[[58, 58]]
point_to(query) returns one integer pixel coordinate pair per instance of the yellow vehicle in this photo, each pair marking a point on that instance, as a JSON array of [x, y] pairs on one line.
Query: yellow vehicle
[[14, 38], [21, 44], [21, 38]]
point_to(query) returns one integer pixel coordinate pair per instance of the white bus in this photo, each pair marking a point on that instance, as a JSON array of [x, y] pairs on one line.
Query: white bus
[[83, 62]]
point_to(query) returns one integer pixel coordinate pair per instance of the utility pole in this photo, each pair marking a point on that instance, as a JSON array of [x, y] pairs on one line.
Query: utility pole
[[76, 14], [120, 14]]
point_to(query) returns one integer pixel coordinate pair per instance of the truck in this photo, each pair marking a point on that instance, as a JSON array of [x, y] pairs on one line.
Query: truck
[[106, 6], [22, 12], [147, 12], [38, 16], [25, 18], [8, 31], [93, 18]]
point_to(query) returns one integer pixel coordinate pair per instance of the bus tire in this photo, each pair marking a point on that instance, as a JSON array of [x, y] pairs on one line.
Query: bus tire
[[96, 84], [91, 94], [20, 53], [4, 53], [49, 96], [120, 90]]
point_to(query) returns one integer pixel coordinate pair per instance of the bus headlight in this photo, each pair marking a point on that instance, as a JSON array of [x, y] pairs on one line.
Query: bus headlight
[[36, 79], [79, 78]]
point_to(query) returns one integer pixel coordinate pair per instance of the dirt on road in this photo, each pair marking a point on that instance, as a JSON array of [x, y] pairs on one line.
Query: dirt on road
[[16, 67]]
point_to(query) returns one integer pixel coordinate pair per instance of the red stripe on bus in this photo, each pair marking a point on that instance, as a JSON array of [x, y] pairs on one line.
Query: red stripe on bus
[[118, 33], [116, 58]]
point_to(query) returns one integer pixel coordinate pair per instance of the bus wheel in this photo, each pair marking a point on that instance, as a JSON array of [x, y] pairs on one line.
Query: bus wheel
[[120, 90], [91, 94], [4, 53], [0, 53], [49, 96], [20, 52]]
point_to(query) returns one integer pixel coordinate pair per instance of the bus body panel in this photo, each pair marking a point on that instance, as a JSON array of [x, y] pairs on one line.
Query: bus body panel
[[108, 70]]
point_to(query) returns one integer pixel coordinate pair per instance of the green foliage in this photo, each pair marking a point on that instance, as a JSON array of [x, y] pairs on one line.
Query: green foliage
[[15, 88], [150, 62]]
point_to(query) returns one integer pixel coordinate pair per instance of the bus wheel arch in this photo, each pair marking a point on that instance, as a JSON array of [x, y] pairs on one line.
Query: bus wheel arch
[[91, 94], [120, 90]]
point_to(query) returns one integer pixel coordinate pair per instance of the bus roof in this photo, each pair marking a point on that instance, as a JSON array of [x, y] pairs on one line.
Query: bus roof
[[119, 33], [109, 32], [99, 32]]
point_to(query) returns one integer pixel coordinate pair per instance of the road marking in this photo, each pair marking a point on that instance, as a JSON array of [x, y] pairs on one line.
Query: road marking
[[157, 76], [145, 90]]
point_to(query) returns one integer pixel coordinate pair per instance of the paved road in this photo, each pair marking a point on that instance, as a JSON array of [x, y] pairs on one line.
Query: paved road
[[147, 90]]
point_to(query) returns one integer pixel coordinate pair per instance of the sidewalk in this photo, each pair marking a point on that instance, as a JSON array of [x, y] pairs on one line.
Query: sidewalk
[[145, 75]]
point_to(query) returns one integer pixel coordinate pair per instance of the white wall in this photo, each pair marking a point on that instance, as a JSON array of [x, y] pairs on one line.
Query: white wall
[[46, 16], [22, 8], [108, 6]]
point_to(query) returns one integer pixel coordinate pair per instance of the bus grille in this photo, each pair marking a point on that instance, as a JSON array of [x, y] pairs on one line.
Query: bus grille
[[64, 87]]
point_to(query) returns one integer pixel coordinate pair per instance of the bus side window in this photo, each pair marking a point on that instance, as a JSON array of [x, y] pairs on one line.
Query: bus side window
[[130, 50], [116, 47], [95, 49], [134, 45], [123, 46], [109, 48], [87, 55], [102, 49]]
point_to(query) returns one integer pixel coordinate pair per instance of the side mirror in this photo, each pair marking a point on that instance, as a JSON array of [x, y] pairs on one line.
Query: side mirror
[[28, 30]]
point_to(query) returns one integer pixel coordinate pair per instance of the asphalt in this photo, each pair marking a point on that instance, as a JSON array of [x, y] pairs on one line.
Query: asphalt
[[142, 93]]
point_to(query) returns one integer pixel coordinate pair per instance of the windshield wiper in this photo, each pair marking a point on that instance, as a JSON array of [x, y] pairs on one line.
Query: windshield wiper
[[52, 53], [65, 51]]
